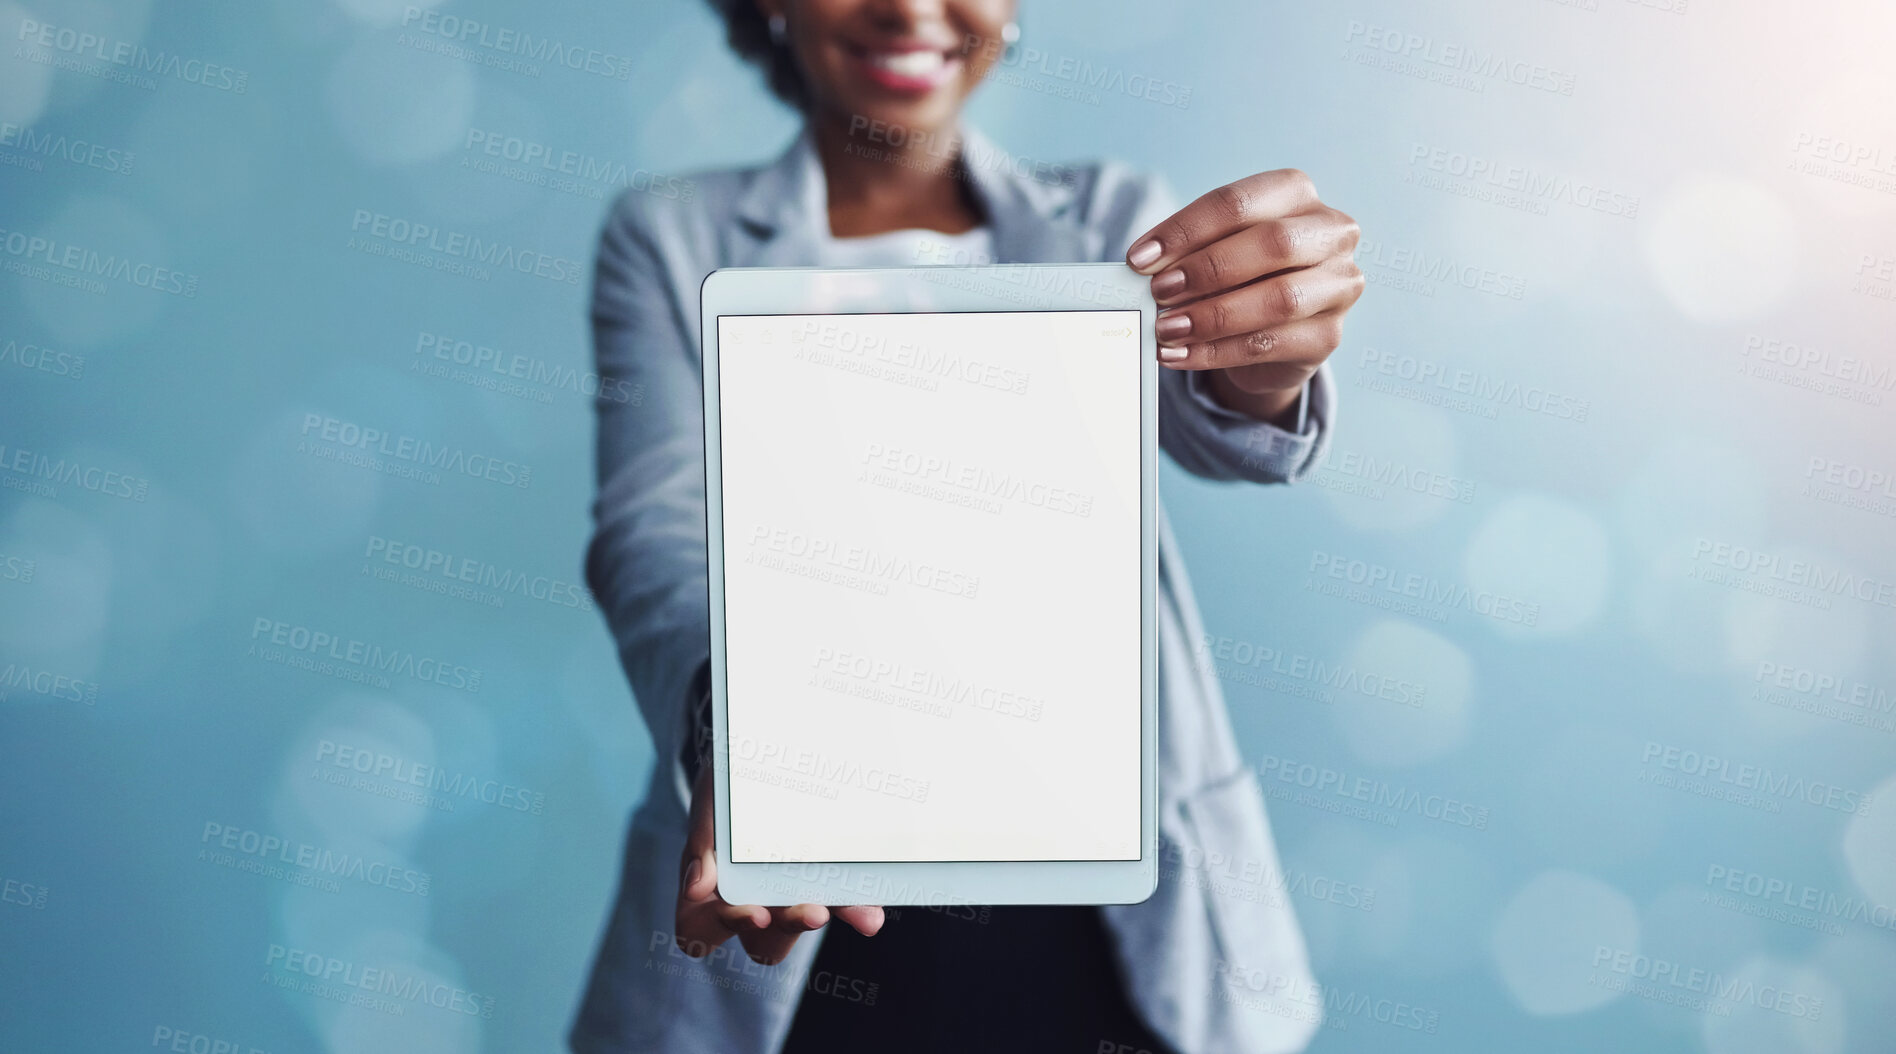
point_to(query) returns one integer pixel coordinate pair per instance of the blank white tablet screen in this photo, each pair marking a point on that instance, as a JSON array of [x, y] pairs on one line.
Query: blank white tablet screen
[[931, 547]]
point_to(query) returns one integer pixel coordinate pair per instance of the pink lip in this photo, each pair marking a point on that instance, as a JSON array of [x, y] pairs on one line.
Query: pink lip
[[902, 83]]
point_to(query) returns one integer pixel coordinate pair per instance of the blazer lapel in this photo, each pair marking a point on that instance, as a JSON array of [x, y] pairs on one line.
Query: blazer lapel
[[1032, 220], [778, 211]]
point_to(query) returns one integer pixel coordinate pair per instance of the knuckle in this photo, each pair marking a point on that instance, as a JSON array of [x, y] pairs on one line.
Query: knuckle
[[1330, 333], [1300, 181], [1220, 315], [1213, 272], [1290, 297], [1233, 199], [1281, 237], [1349, 233]]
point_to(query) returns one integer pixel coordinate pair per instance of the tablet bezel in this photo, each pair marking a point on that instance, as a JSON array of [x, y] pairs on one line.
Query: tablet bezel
[[988, 287]]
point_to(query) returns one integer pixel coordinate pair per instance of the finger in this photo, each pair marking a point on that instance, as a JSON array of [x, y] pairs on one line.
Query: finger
[[1219, 213], [771, 943], [1263, 304], [866, 920], [1270, 359], [700, 827], [714, 922], [703, 926], [1264, 248], [699, 923]]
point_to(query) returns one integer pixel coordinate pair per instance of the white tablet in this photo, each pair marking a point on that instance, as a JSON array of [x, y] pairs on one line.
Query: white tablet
[[931, 502]]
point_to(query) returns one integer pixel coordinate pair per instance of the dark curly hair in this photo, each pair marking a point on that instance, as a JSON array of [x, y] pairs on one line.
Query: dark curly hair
[[749, 35]]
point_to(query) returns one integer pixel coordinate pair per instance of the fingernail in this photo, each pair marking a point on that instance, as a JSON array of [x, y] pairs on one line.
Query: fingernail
[[692, 871], [1172, 327], [1168, 283], [1171, 354], [1144, 255]]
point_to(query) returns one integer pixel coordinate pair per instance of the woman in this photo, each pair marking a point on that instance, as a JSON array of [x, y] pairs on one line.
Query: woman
[[1254, 279]]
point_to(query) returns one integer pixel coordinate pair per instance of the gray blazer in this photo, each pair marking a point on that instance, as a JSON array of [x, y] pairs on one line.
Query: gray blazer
[[1214, 960]]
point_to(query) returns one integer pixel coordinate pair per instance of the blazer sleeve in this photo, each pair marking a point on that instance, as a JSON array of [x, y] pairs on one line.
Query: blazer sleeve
[[1203, 436], [646, 560]]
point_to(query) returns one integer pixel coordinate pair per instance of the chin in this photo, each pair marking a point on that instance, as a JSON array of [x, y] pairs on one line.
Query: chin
[[913, 116]]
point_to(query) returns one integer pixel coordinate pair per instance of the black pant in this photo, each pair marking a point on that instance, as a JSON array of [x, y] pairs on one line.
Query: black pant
[[970, 980]]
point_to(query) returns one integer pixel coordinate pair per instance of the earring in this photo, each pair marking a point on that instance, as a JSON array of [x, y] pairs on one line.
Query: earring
[[1010, 36], [779, 30]]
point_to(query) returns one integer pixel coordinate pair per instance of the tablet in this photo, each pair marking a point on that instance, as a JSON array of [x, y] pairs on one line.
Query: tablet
[[931, 520]]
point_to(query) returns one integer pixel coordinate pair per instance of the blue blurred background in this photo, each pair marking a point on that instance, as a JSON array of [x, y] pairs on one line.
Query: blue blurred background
[[1626, 361]]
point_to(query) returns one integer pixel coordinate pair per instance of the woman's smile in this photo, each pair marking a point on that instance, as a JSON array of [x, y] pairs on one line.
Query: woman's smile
[[911, 68]]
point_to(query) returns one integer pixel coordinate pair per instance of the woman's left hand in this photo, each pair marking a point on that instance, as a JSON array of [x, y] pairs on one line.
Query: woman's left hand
[[1253, 280]]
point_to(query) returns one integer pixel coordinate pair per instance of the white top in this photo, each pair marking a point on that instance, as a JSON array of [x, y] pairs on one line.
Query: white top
[[909, 247]]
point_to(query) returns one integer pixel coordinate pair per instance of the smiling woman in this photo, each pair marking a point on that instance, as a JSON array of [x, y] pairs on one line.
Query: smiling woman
[[760, 32], [1254, 279]]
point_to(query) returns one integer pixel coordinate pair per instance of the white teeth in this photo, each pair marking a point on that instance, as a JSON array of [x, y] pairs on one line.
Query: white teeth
[[909, 63]]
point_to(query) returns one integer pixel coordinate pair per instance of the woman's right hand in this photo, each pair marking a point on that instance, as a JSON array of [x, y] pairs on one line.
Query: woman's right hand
[[705, 921]]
